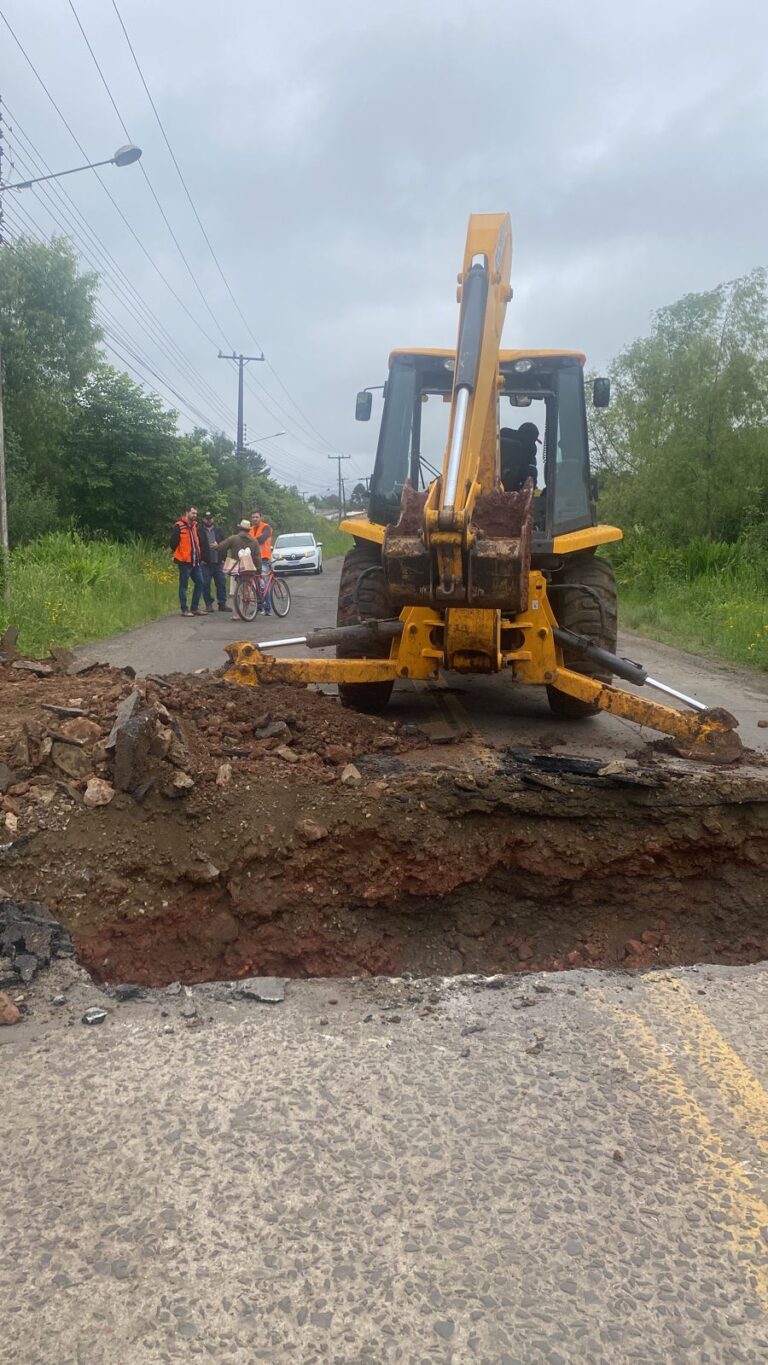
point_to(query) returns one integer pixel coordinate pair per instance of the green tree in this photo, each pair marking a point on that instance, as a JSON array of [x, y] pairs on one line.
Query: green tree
[[684, 446], [49, 341], [124, 469]]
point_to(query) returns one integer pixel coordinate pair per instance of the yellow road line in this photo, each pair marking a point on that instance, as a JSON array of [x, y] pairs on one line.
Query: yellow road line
[[745, 1214], [739, 1088]]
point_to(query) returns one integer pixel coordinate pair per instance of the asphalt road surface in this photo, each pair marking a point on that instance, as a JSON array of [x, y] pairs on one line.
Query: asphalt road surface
[[557, 1169], [501, 710]]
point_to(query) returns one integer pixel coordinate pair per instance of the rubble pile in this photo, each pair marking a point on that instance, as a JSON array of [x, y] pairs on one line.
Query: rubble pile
[[187, 829], [74, 733]]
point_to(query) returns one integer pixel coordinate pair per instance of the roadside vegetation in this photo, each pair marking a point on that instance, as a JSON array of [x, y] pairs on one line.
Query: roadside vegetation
[[97, 468], [682, 461], [710, 597]]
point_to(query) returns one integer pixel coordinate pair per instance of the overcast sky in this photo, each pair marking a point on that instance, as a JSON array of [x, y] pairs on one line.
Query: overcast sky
[[334, 151]]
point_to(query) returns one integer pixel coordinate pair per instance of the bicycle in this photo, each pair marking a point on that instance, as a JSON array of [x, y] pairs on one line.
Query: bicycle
[[251, 593]]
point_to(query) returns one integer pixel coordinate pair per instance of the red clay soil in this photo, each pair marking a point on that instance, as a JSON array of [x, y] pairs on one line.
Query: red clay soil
[[277, 859]]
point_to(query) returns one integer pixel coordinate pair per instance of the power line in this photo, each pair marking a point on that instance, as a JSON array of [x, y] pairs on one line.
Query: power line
[[121, 285], [185, 368], [180, 175], [112, 328], [286, 416], [145, 173], [206, 238], [108, 193]]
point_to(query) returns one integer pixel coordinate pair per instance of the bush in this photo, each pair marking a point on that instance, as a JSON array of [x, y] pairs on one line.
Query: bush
[[705, 595]]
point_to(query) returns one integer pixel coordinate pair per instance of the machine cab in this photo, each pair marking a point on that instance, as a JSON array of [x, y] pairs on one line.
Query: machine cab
[[540, 391]]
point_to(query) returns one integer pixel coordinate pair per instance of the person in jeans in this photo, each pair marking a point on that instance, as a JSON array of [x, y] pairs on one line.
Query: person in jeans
[[213, 572], [185, 543], [262, 534]]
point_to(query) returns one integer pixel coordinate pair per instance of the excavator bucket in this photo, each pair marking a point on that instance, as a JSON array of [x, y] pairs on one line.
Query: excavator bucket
[[495, 566], [500, 554]]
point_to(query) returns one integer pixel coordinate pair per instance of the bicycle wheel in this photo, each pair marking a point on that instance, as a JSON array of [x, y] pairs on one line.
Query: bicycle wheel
[[281, 596], [246, 598]]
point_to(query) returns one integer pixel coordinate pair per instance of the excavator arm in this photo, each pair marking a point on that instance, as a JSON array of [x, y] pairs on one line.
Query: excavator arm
[[465, 542]]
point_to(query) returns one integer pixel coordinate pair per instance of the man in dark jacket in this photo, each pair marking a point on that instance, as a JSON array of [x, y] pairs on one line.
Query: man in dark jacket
[[210, 535]]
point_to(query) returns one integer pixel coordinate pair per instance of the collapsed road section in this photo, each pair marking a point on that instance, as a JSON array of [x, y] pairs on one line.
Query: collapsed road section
[[187, 829]]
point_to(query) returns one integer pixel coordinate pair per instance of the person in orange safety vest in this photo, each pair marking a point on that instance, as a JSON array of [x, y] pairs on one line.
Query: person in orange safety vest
[[262, 534], [185, 543]]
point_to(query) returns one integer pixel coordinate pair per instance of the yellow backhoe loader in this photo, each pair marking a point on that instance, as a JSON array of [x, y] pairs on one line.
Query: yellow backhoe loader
[[478, 552]]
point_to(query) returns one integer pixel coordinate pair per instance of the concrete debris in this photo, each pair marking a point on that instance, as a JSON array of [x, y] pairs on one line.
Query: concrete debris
[[62, 656], [202, 874], [33, 666], [270, 990], [94, 1015], [182, 782], [274, 729], [11, 822], [128, 991], [80, 666], [98, 792], [29, 938], [350, 775], [80, 728], [618, 767], [310, 831], [73, 762], [224, 775], [9, 640], [124, 712], [132, 746], [285, 753], [7, 777], [9, 1013]]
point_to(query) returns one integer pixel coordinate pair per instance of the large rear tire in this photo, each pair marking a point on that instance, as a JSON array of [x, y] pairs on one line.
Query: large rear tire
[[363, 597], [579, 611]]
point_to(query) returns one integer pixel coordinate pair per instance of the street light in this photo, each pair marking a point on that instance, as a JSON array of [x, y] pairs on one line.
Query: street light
[[124, 156], [256, 439]]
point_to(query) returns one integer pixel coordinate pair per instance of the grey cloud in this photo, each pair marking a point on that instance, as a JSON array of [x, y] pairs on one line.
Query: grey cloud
[[336, 150]]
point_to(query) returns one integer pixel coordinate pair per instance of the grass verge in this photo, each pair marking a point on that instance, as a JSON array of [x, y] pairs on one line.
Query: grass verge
[[66, 590], [708, 597]]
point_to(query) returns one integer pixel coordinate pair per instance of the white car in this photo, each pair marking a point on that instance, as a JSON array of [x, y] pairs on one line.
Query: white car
[[299, 553]]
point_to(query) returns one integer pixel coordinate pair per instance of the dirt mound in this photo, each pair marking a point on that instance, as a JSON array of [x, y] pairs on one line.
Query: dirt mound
[[305, 839]]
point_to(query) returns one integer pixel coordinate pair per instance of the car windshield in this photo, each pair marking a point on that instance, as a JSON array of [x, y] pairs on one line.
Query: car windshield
[[290, 542]]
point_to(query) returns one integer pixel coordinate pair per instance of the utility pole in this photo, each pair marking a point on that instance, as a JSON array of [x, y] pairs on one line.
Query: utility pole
[[339, 459], [240, 450]]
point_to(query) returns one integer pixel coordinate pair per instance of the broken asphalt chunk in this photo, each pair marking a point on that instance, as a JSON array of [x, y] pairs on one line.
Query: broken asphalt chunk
[[94, 1015], [270, 990]]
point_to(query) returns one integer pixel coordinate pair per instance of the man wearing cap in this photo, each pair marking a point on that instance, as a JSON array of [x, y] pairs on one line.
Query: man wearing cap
[[210, 533], [233, 545]]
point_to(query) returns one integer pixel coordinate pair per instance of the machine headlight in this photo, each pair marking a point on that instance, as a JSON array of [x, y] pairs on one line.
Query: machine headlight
[[523, 366]]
